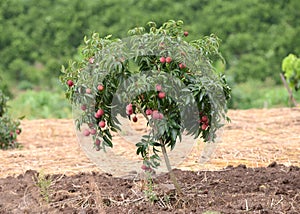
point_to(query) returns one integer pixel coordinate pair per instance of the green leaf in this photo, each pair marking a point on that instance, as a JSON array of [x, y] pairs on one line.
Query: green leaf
[[107, 141], [173, 135]]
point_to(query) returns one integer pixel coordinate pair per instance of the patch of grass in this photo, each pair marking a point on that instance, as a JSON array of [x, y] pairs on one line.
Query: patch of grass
[[211, 212], [44, 185], [257, 94], [149, 191], [40, 105]]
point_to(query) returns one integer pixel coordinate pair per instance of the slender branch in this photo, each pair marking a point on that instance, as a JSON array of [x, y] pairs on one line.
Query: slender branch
[[291, 97], [142, 112]]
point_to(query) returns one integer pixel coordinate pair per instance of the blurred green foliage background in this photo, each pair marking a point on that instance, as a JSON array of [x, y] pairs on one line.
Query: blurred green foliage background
[[37, 37]]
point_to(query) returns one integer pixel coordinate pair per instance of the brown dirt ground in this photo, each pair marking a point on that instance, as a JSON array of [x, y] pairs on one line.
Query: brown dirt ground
[[255, 138]]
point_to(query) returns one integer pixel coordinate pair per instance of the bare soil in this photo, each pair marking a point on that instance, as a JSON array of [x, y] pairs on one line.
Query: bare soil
[[254, 169]]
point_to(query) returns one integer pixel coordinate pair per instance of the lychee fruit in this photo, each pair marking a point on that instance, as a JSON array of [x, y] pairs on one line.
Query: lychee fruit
[[157, 115], [102, 124], [182, 66], [204, 126], [86, 132], [88, 91], [204, 119], [162, 59], [70, 83], [93, 131], [100, 112], [129, 109], [168, 59], [97, 142], [100, 87], [161, 95], [148, 111], [135, 119]]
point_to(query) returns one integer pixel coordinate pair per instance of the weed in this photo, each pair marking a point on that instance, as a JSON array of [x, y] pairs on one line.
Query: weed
[[211, 212], [44, 184], [149, 192]]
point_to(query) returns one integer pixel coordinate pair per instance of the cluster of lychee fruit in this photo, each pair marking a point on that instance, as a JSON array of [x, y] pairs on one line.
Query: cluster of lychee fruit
[[129, 112], [100, 112], [169, 59], [98, 115], [161, 94], [165, 59], [155, 114], [93, 131], [99, 87], [17, 131], [204, 121], [149, 112]]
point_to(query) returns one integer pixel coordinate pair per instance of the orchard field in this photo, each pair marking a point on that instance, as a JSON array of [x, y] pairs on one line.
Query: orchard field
[[38, 37], [255, 168], [251, 43]]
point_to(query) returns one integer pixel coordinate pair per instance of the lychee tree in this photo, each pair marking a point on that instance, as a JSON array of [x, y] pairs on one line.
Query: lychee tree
[[291, 75], [155, 73], [291, 70], [9, 128]]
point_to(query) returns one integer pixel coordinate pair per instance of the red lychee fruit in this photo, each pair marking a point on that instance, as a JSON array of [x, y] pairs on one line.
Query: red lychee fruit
[[135, 119], [162, 59], [100, 112], [148, 111], [97, 142], [129, 109], [100, 87], [70, 83], [97, 115], [168, 59], [161, 95], [182, 66], [204, 126], [88, 91], [86, 132], [157, 115], [102, 124], [186, 33], [93, 131], [204, 119]]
